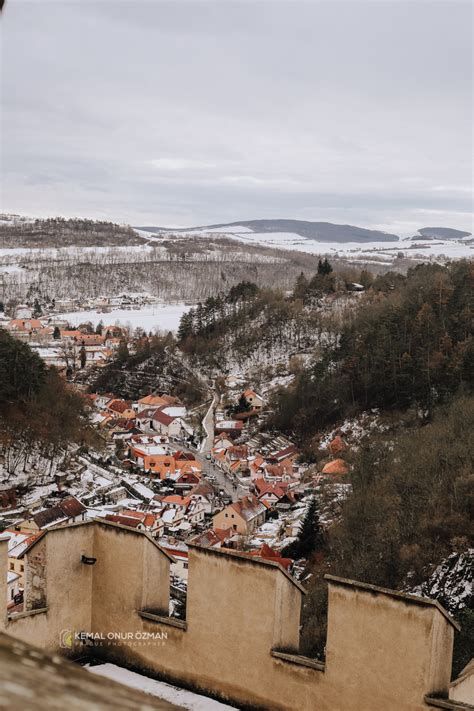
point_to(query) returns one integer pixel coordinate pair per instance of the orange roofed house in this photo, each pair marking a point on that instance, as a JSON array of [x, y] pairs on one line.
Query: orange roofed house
[[336, 466], [156, 401], [253, 398], [121, 407], [24, 327]]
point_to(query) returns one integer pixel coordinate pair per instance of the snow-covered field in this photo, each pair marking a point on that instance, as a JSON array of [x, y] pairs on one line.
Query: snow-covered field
[[165, 317], [454, 249], [58, 252], [172, 694]]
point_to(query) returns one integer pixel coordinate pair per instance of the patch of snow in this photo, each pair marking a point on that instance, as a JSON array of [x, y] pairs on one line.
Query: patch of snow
[[166, 317], [384, 252], [451, 583], [172, 694]]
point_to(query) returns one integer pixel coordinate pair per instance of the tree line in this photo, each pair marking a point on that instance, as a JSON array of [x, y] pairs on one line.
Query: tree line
[[410, 343], [40, 414]]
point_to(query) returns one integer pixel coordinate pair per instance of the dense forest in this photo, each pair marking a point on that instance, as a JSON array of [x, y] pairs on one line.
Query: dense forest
[[411, 505], [61, 232], [255, 328], [40, 415], [410, 344]]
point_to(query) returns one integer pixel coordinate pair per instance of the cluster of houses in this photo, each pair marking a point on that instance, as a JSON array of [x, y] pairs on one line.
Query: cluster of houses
[[66, 348], [252, 458], [146, 425], [153, 479]]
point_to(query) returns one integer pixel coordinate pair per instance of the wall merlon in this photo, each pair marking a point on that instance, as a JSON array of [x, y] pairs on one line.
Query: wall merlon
[[240, 639], [253, 561], [401, 596]]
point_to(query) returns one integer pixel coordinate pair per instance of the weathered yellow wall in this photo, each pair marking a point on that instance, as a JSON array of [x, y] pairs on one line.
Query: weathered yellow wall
[[130, 574], [219, 520], [388, 642], [4, 538], [384, 652]]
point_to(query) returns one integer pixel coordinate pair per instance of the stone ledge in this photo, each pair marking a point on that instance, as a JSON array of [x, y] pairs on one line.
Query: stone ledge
[[159, 619], [299, 659], [27, 613], [450, 704]]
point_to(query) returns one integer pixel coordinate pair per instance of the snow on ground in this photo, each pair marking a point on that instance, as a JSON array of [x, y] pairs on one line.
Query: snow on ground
[[451, 582], [234, 229], [72, 251], [166, 317], [11, 269], [354, 429], [172, 694], [455, 249], [150, 236]]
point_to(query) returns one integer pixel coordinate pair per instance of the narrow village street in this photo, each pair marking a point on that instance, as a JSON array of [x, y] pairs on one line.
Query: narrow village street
[[208, 425]]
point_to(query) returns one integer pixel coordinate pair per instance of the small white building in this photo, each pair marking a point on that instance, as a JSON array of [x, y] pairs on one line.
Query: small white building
[[13, 587]]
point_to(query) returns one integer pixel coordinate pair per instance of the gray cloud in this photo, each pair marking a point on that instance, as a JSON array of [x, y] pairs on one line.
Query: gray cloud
[[196, 112]]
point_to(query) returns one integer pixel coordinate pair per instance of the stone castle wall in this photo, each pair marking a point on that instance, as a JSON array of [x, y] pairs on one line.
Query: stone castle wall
[[240, 639]]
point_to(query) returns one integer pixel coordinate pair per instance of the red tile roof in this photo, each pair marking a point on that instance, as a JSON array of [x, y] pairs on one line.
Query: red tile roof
[[72, 507], [163, 418], [123, 520], [270, 554], [337, 445], [119, 405], [287, 452], [173, 499]]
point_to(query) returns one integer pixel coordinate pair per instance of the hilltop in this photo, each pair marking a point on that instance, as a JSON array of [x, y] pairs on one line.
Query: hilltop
[[320, 231]]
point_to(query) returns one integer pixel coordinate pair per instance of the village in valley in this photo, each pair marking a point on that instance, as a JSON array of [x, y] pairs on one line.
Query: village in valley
[[65, 346], [210, 475], [237, 356]]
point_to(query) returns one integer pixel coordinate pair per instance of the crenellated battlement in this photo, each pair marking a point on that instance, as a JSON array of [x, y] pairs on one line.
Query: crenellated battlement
[[240, 641]]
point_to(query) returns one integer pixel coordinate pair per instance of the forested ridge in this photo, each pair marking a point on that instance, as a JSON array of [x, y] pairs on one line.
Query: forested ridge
[[251, 326], [409, 344], [410, 506], [62, 232], [405, 349], [40, 414], [153, 364]]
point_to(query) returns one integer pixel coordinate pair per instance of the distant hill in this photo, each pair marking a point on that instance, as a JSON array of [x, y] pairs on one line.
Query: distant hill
[[319, 231], [441, 233], [60, 232]]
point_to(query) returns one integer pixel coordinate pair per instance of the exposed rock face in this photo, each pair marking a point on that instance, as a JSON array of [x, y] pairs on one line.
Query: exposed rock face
[[451, 582]]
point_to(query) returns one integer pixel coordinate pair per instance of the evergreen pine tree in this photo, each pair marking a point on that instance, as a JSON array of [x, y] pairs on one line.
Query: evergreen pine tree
[[311, 536], [301, 287], [122, 351], [37, 310], [327, 267], [324, 267], [185, 326]]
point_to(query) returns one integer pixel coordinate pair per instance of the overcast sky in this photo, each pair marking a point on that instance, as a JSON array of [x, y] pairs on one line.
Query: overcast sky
[[186, 113]]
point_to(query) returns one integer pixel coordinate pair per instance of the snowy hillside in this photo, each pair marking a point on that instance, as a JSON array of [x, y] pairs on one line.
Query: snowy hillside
[[451, 582], [353, 243]]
